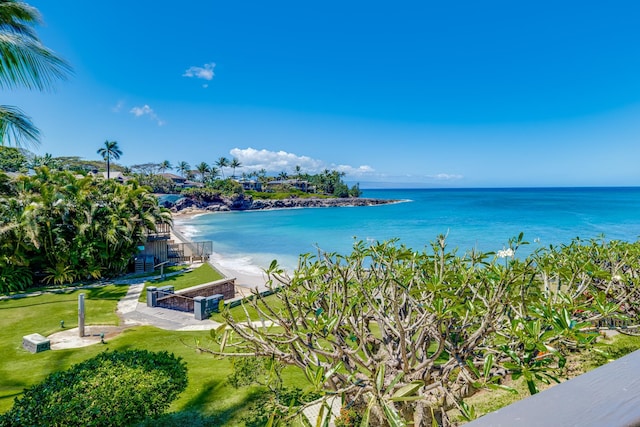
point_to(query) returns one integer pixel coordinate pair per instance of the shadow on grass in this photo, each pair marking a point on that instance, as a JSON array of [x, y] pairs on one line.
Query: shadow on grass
[[64, 301], [198, 403], [111, 292]]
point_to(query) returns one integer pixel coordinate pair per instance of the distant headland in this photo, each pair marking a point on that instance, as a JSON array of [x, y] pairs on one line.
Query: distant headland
[[242, 202]]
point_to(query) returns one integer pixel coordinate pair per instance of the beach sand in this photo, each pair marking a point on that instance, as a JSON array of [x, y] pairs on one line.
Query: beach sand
[[247, 276]]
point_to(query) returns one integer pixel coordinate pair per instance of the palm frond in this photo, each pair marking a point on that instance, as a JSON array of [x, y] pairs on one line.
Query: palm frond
[[24, 62], [16, 128]]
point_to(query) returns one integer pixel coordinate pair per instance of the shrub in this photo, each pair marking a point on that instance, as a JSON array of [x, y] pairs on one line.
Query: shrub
[[111, 389]]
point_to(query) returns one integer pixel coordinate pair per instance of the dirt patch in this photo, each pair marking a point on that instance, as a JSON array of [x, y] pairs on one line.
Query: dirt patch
[[94, 334]]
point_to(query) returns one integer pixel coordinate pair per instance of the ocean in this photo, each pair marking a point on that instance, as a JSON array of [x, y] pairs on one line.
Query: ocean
[[484, 219]]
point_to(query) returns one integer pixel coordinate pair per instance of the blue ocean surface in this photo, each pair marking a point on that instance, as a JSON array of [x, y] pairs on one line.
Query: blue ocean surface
[[484, 219]]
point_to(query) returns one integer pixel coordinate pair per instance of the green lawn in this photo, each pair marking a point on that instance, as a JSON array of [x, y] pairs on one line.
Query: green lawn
[[203, 274], [208, 391]]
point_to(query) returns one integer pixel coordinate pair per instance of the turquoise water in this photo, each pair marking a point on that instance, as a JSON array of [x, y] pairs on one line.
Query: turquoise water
[[472, 218]]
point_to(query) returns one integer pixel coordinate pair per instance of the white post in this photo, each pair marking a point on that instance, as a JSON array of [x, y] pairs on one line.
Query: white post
[[81, 315]]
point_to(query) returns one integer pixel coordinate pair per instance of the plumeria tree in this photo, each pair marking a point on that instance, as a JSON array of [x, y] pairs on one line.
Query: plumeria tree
[[405, 336]]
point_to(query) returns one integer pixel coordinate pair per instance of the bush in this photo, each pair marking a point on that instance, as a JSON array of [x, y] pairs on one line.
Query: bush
[[111, 389]]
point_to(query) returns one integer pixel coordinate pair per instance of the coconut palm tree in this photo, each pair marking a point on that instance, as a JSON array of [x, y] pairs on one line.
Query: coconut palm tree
[[183, 168], [109, 151], [221, 163], [165, 165], [235, 163], [203, 168], [24, 62]]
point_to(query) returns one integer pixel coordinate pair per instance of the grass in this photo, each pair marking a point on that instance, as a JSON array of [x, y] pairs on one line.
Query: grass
[[208, 392], [167, 270], [203, 274], [238, 312]]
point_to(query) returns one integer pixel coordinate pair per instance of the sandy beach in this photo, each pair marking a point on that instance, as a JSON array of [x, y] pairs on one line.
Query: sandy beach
[[248, 276]]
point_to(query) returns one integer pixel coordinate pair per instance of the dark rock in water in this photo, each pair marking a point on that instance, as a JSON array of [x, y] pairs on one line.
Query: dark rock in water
[[241, 202]]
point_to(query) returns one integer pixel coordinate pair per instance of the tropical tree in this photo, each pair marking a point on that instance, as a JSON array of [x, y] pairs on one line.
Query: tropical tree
[[203, 168], [283, 175], [109, 151], [62, 228], [24, 62], [12, 159], [183, 168], [165, 165], [405, 336], [222, 163], [235, 163]]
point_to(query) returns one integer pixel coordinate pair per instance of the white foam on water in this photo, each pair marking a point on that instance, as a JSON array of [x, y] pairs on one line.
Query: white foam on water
[[241, 264], [187, 231]]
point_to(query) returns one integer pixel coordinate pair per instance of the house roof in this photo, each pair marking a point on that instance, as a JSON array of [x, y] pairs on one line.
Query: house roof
[[173, 176]]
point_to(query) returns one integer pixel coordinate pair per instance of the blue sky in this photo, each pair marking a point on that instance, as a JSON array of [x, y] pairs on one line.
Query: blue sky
[[431, 94]]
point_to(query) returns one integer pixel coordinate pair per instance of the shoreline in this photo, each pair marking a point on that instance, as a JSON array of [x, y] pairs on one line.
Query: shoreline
[[250, 275], [246, 279]]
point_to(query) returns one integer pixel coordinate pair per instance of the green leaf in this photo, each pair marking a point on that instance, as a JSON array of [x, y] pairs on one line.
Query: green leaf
[[396, 379], [332, 371], [320, 419], [223, 344], [392, 416], [473, 368], [380, 377], [468, 412], [367, 413], [408, 390], [271, 420], [502, 387], [406, 399], [488, 364]]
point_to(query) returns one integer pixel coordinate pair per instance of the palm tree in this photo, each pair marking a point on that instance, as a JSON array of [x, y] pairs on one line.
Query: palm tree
[[222, 162], [24, 62], [202, 169], [165, 165], [109, 151], [235, 163], [183, 167]]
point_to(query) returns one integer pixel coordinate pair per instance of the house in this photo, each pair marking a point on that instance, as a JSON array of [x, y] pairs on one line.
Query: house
[[250, 184], [116, 176], [177, 179], [181, 182]]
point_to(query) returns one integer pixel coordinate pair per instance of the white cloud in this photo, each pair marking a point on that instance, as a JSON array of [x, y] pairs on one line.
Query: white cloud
[[355, 171], [205, 72], [145, 110], [278, 161]]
